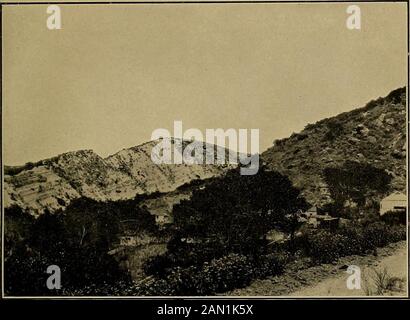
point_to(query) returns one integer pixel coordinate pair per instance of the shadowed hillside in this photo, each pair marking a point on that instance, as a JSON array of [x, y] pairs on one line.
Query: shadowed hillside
[[374, 134]]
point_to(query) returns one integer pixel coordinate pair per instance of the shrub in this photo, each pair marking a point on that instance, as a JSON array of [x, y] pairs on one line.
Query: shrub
[[25, 274], [394, 217], [226, 273], [181, 281], [374, 235], [381, 283], [395, 233], [158, 265], [325, 247], [355, 240], [397, 95], [219, 275], [270, 264]]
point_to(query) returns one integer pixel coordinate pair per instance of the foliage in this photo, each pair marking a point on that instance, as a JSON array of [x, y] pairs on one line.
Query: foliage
[[25, 273], [218, 275], [381, 282], [270, 264], [397, 95], [291, 224], [77, 240], [395, 217], [355, 181], [334, 129], [233, 214], [17, 224], [325, 247]]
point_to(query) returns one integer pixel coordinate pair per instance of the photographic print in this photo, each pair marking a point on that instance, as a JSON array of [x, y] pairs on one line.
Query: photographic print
[[204, 149]]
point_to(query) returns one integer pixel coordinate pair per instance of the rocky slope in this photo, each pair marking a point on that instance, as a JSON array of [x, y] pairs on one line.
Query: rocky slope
[[374, 134], [53, 183]]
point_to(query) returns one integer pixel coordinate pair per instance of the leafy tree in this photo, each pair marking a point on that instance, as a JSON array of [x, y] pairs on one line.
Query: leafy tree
[[233, 214], [77, 240], [17, 224], [25, 272], [355, 181]]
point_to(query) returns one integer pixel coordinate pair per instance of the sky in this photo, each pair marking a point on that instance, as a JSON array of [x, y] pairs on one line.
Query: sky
[[115, 73]]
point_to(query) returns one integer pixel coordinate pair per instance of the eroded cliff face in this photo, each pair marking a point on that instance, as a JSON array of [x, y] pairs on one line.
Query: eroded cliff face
[[52, 183]]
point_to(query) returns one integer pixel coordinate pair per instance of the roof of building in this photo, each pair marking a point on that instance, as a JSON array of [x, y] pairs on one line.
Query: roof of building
[[397, 196], [312, 209]]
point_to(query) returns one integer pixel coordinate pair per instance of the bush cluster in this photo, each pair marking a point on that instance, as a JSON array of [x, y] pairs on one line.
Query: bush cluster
[[218, 275], [395, 217], [325, 247], [235, 270]]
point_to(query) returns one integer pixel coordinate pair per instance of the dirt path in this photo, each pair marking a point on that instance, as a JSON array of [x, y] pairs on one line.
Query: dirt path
[[330, 279]]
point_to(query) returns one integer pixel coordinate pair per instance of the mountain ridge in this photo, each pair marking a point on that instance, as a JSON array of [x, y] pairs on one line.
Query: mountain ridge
[[374, 134], [53, 183]]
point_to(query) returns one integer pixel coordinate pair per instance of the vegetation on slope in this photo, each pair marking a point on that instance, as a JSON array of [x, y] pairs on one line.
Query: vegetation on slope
[[373, 135]]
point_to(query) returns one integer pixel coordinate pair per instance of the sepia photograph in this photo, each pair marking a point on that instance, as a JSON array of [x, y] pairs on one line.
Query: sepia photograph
[[204, 150]]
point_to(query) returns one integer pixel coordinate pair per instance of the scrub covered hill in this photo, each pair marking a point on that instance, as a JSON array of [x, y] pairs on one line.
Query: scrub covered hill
[[372, 135]]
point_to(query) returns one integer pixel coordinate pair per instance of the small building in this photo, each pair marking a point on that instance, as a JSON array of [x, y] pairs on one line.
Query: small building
[[395, 202]]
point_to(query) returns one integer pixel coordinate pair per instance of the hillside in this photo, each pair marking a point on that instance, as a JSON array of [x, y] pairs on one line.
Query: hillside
[[54, 183], [374, 134]]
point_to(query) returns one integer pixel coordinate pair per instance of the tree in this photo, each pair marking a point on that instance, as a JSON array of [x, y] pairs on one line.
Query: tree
[[77, 240], [233, 214], [17, 226], [355, 181]]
